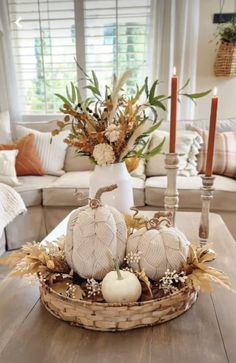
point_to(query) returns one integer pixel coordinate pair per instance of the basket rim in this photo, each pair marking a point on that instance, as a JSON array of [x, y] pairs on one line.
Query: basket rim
[[183, 290], [228, 43]]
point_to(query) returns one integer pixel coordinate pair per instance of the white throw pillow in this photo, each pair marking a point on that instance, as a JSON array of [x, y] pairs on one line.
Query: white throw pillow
[[8, 168], [5, 128], [51, 153], [188, 144]]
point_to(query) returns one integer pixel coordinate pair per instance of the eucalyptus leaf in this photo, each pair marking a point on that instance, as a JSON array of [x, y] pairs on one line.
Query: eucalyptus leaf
[[78, 95], [68, 94], [63, 99], [196, 95], [138, 93], [73, 93], [185, 85], [157, 103], [146, 86], [81, 69], [153, 128], [154, 113], [93, 90], [96, 84], [152, 92], [154, 151]]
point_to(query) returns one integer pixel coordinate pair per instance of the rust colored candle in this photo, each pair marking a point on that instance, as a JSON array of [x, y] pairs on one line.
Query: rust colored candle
[[212, 132], [173, 114]]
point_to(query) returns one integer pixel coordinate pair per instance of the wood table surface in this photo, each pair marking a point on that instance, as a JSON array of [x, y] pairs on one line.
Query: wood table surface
[[204, 334]]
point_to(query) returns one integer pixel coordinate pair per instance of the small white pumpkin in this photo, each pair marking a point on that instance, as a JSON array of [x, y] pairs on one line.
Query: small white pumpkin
[[161, 247], [95, 235], [121, 287]]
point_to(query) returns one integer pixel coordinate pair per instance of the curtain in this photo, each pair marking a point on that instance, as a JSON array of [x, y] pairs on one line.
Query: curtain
[[9, 98], [174, 42]]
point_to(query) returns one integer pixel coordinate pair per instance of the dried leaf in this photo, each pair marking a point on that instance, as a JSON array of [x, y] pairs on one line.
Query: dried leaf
[[199, 274], [143, 277]]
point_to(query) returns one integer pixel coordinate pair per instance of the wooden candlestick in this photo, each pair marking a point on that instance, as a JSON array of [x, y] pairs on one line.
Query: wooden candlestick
[[211, 136], [173, 115], [207, 195], [171, 201]]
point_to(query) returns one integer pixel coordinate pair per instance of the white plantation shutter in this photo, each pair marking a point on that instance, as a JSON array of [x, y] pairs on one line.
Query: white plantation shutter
[[107, 36], [116, 38], [44, 50]]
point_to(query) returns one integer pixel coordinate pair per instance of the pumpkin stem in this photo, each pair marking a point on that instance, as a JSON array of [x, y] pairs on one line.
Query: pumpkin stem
[[117, 269], [96, 201], [157, 220], [104, 190]]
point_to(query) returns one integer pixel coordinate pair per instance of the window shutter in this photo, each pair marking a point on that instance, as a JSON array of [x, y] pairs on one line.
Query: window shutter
[[44, 49], [116, 38]]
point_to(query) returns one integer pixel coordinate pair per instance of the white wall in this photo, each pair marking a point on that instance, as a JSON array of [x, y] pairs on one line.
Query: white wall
[[206, 57]]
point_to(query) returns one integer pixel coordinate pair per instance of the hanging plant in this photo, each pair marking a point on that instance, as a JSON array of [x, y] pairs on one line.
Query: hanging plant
[[225, 64]]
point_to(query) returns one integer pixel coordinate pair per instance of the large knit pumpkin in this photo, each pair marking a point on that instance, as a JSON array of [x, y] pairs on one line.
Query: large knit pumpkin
[[161, 247], [95, 235]]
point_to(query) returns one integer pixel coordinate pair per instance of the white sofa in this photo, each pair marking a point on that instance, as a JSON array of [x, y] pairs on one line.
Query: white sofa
[[49, 198]]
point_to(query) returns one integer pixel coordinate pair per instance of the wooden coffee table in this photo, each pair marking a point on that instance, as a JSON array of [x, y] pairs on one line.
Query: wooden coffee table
[[204, 334]]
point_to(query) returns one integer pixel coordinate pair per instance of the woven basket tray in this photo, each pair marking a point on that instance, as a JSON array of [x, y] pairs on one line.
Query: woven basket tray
[[225, 64], [116, 317]]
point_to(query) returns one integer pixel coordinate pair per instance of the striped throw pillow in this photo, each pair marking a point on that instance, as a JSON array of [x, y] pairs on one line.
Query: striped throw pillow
[[224, 153]]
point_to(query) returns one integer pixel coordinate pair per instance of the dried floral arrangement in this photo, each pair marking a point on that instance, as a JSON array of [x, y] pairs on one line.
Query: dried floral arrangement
[[46, 261], [113, 127]]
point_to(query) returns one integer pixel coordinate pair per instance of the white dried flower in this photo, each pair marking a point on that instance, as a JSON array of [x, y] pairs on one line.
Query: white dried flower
[[170, 280], [133, 257], [70, 291], [112, 133], [103, 154], [93, 287], [129, 269]]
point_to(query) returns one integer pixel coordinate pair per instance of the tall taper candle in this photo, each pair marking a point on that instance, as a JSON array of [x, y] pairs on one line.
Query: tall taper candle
[[212, 131], [173, 115]]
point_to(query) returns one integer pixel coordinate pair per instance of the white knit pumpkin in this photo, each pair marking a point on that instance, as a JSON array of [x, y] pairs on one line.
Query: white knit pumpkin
[[95, 235], [161, 249]]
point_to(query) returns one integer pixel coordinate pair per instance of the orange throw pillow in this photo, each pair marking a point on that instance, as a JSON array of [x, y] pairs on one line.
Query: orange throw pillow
[[27, 160]]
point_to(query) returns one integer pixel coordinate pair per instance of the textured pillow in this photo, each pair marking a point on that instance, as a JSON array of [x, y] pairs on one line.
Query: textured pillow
[[187, 145], [221, 125], [7, 167], [224, 162], [27, 160], [51, 153], [5, 129]]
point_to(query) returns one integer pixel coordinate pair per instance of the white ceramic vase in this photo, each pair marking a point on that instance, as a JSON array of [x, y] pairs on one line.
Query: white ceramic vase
[[120, 198]]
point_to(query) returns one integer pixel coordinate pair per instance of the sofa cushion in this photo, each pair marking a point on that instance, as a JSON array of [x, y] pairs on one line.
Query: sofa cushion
[[190, 193], [31, 188], [74, 162], [64, 191]]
